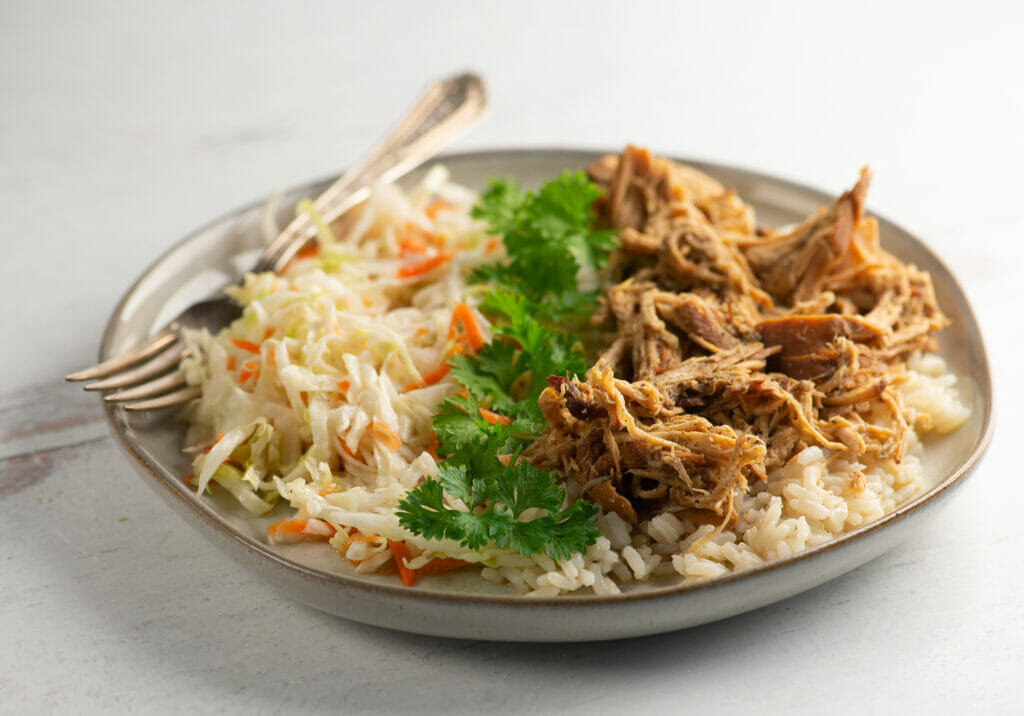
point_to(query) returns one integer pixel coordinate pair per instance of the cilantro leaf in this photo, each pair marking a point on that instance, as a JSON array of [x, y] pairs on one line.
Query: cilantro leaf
[[499, 203], [534, 303], [559, 534], [547, 233]]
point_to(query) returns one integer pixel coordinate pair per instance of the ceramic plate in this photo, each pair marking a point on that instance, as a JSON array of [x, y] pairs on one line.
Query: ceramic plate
[[462, 605]]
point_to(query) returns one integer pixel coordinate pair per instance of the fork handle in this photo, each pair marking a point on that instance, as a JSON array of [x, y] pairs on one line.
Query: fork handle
[[446, 109]]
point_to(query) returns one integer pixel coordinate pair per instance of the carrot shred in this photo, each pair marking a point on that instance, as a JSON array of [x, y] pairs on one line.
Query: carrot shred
[[438, 375], [441, 565], [190, 479], [344, 385], [492, 245], [463, 315], [388, 436], [300, 528], [424, 267], [430, 379], [249, 369], [492, 417], [287, 526], [245, 345], [208, 448], [433, 208], [401, 553], [432, 447], [412, 244], [309, 250], [364, 538], [348, 450], [231, 363]]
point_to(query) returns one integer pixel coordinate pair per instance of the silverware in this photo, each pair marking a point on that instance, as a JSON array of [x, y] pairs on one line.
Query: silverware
[[147, 376]]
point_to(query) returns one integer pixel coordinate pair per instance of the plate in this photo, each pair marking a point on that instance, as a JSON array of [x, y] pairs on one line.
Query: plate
[[462, 605]]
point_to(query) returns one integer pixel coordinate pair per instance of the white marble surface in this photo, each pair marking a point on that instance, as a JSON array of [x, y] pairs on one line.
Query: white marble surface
[[123, 126]]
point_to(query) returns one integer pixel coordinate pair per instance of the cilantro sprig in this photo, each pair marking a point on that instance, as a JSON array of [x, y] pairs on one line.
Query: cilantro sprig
[[549, 237]]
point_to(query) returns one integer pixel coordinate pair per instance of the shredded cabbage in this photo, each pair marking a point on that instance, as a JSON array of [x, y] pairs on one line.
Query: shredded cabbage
[[323, 391]]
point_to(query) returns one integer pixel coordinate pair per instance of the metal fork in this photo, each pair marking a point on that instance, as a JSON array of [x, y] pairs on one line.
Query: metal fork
[[147, 377]]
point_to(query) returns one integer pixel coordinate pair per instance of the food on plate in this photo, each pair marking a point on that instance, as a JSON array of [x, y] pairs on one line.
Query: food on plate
[[617, 377]]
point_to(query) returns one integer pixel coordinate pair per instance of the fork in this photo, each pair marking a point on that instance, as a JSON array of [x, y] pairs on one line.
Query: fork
[[148, 376]]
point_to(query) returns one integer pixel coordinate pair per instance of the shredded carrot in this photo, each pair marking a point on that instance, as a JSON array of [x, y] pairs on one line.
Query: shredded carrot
[[388, 436], [231, 362], [417, 240], [190, 479], [433, 208], [300, 530], [432, 447], [344, 385], [492, 245], [295, 526], [216, 440], [245, 345], [329, 490], [364, 538], [401, 553], [311, 249], [249, 369], [268, 333], [441, 565], [421, 331], [412, 243], [430, 379], [438, 375], [463, 314], [492, 417], [347, 449], [423, 267]]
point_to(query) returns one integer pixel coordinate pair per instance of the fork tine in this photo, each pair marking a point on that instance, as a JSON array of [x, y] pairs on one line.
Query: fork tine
[[148, 389], [153, 345], [154, 366], [166, 401]]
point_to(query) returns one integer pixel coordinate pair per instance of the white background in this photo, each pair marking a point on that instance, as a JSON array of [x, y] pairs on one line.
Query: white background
[[124, 126]]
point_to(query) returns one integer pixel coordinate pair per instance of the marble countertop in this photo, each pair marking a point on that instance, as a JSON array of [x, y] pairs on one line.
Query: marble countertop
[[125, 125]]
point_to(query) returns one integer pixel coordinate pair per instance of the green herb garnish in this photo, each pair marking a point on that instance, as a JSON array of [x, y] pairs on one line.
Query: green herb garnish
[[534, 303]]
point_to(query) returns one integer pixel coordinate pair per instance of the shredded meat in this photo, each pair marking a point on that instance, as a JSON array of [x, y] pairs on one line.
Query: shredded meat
[[734, 346]]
